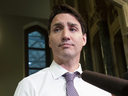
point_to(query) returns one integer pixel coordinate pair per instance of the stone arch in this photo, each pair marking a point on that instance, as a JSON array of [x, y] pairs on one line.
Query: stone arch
[[35, 23]]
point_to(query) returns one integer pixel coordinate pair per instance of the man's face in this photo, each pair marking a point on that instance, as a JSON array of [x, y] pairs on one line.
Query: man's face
[[66, 38]]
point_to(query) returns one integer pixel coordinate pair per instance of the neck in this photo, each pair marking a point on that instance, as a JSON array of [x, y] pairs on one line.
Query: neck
[[70, 67], [69, 64]]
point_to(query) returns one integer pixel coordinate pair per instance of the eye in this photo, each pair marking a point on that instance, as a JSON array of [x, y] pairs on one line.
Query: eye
[[57, 29], [73, 29]]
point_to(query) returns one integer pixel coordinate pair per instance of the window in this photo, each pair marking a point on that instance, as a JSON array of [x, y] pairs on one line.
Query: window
[[37, 52]]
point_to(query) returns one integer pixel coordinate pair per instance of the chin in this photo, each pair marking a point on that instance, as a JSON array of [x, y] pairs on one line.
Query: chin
[[68, 55]]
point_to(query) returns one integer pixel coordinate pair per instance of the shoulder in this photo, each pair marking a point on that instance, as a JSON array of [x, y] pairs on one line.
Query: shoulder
[[36, 78], [38, 75], [30, 85]]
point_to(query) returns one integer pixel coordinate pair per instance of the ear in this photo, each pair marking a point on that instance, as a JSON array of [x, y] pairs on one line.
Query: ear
[[84, 39], [49, 41]]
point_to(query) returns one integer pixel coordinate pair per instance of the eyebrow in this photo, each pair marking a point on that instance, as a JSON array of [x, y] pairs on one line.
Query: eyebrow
[[72, 24], [69, 23], [57, 24]]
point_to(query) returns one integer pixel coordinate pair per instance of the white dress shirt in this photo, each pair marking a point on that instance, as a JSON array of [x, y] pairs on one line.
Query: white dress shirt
[[50, 82]]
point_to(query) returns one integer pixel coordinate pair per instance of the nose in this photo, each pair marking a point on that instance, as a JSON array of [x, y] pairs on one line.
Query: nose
[[65, 35]]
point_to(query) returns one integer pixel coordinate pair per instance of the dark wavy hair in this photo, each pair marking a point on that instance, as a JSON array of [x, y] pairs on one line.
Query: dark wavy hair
[[64, 8]]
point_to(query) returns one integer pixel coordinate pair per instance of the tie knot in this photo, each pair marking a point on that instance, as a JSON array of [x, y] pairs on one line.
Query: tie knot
[[70, 76]]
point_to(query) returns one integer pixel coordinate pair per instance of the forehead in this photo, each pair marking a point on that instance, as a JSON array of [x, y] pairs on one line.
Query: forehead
[[64, 18]]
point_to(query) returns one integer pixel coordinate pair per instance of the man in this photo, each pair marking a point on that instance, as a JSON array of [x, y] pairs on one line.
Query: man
[[67, 36]]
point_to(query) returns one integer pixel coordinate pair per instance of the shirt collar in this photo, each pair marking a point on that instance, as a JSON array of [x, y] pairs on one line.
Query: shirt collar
[[57, 70]]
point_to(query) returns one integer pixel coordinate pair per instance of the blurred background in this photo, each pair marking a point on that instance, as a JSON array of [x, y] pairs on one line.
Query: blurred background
[[24, 46]]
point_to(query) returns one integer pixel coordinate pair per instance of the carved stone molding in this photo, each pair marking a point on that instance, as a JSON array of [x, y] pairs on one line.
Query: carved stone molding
[[99, 12], [125, 1], [123, 4], [126, 33]]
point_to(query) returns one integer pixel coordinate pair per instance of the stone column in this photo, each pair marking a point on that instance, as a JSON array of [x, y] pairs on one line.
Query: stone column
[[87, 53], [88, 56], [105, 47]]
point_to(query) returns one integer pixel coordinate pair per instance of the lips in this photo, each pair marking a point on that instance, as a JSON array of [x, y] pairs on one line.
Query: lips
[[66, 44]]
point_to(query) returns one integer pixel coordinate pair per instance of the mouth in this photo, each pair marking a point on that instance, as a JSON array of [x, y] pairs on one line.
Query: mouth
[[66, 44]]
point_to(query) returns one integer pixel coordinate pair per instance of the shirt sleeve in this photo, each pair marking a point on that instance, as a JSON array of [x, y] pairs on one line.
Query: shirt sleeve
[[25, 88]]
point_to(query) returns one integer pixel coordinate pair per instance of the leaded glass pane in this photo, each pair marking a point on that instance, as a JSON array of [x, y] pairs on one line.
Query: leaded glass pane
[[31, 71], [36, 40], [37, 58]]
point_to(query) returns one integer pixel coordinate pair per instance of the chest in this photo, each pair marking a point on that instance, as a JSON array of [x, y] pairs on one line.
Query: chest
[[58, 88]]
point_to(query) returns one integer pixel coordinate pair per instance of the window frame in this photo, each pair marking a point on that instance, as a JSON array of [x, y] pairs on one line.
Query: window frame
[[47, 49]]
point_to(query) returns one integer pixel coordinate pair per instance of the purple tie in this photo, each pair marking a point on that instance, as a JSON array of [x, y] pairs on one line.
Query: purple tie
[[70, 89]]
